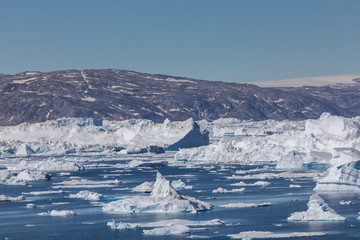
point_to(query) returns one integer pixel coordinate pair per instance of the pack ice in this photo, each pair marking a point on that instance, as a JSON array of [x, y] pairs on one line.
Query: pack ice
[[310, 144], [83, 135], [163, 199]]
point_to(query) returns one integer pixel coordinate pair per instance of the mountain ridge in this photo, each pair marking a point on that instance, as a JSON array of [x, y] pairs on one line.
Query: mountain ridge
[[113, 94]]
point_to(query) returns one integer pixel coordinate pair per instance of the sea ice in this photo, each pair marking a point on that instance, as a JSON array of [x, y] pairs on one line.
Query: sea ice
[[318, 210], [162, 199]]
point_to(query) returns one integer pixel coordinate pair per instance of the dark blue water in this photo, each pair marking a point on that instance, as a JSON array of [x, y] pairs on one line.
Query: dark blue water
[[19, 222]]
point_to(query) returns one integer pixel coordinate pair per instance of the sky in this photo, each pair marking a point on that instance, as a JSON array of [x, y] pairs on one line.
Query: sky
[[223, 40]]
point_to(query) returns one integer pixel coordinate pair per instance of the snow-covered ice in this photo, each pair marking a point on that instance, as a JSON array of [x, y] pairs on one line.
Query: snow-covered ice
[[168, 230], [61, 213], [245, 205], [266, 234]]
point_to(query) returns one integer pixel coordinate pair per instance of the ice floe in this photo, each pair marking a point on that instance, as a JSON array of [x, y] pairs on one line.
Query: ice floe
[[267, 234], [163, 199], [245, 205], [4, 198], [318, 210], [145, 187], [168, 230], [223, 190], [87, 195], [56, 213]]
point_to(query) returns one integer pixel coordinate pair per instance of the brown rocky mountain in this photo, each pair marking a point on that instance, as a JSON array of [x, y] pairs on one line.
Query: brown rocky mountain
[[118, 94]]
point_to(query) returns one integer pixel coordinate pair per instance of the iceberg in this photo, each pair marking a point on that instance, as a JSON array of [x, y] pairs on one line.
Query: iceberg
[[56, 213], [50, 165], [87, 195], [318, 210], [163, 199], [340, 179], [84, 136], [122, 226], [4, 198], [169, 230], [266, 234], [245, 205], [223, 190]]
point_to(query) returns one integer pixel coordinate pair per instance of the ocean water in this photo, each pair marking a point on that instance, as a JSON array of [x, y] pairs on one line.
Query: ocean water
[[19, 222]]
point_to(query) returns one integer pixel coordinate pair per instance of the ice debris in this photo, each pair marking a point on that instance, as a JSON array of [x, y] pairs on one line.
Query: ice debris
[[4, 198], [163, 199], [223, 190], [318, 210], [266, 234]]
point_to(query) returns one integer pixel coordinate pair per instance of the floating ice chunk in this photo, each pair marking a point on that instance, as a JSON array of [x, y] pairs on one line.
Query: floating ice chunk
[[318, 210], [342, 202], [62, 213], [245, 205], [263, 234], [87, 195], [189, 223], [43, 192], [294, 186], [169, 230], [162, 199], [145, 187], [85, 183], [122, 226], [223, 190], [178, 184], [341, 178], [30, 205], [4, 198], [258, 183]]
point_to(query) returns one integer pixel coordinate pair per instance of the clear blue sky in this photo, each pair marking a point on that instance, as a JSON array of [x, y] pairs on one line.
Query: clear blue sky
[[227, 40]]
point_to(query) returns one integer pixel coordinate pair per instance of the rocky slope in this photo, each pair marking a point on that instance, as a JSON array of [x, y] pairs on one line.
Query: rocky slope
[[118, 94]]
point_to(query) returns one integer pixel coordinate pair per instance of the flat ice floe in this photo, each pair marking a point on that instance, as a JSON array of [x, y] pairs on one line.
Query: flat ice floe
[[4, 198], [168, 230], [245, 205], [56, 213], [85, 183], [223, 190], [163, 199], [50, 165], [87, 195], [266, 234], [318, 210]]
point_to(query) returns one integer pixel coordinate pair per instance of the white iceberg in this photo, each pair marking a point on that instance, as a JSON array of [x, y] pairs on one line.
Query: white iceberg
[[223, 190], [169, 230], [87, 195], [265, 234], [56, 213], [122, 226], [318, 210], [341, 179], [245, 205], [4, 198], [50, 165], [163, 199]]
